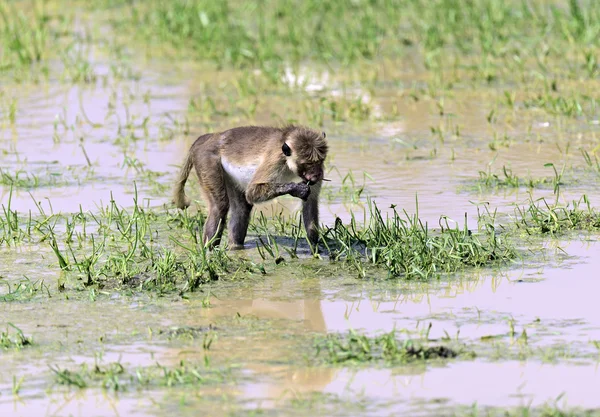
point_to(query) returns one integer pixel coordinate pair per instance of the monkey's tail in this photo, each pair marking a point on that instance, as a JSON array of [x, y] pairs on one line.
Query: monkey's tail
[[179, 197]]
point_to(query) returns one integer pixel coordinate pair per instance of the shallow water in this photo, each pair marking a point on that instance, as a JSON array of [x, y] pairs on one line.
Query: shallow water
[[555, 304]]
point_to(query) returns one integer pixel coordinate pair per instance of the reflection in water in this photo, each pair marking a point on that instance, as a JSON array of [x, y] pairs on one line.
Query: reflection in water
[[304, 306], [279, 298]]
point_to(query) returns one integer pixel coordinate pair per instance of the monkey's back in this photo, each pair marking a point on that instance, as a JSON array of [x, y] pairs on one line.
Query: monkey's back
[[244, 144]]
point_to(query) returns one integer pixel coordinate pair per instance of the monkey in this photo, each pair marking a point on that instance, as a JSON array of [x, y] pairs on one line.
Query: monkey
[[240, 167]]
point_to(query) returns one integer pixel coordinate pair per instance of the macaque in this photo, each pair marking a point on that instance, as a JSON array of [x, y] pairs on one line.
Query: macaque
[[243, 166]]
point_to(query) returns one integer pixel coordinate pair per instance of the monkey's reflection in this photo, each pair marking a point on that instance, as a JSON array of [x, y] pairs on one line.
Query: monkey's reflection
[[270, 303], [277, 298]]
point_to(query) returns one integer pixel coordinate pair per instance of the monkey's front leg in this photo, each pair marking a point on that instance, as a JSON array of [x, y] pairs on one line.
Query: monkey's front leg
[[310, 215], [258, 193]]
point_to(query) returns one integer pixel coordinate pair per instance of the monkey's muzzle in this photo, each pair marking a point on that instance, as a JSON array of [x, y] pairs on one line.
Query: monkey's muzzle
[[312, 180], [312, 174]]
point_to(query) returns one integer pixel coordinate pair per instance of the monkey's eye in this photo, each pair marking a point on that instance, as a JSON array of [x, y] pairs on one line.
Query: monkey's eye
[[324, 135], [286, 149]]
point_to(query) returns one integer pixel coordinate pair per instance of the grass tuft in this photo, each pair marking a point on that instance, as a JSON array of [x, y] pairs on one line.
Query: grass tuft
[[14, 339], [541, 217], [116, 377], [356, 348], [407, 248], [507, 179]]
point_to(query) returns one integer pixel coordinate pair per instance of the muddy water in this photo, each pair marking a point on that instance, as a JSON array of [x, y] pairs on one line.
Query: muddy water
[[555, 305], [267, 325]]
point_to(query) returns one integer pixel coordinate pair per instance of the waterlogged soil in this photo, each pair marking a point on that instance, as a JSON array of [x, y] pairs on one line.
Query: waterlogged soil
[[532, 326]]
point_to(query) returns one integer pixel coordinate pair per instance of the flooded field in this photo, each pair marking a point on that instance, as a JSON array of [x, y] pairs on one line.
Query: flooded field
[[460, 230]]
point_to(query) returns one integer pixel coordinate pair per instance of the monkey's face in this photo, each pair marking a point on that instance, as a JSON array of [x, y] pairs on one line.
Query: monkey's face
[[305, 157]]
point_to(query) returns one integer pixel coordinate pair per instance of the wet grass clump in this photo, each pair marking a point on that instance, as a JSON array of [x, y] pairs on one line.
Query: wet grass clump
[[507, 179], [116, 377], [207, 334], [24, 290], [23, 179], [13, 338], [356, 348], [407, 248], [542, 217], [117, 248], [142, 249], [14, 229]]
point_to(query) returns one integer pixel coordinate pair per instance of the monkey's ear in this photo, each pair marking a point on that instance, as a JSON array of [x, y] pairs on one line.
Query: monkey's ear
[[324, 135], [286, 150]]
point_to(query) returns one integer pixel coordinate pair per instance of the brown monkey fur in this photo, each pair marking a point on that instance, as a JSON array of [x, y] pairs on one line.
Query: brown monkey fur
[[246, 165]]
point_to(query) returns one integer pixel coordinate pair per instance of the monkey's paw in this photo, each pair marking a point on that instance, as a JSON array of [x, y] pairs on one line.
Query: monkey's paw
[[301, 190]]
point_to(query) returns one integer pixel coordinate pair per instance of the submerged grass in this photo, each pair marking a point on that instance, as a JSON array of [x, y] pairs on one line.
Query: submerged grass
[[550, 409], [116, 377], [358, 403], [23, 290], [507, 179], [13, 338], [356, 348], [23, 179]]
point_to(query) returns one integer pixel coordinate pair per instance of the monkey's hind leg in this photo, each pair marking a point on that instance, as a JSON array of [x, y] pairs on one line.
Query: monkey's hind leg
[[213, 186], [240, 217]]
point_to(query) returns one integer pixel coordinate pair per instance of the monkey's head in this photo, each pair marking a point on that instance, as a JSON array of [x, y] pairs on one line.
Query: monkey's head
[[305, 151]]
